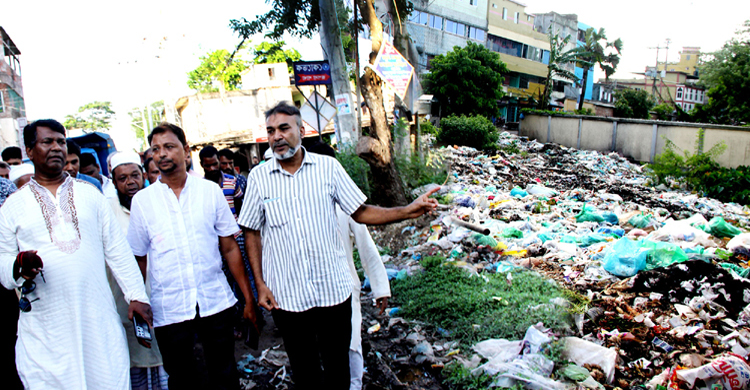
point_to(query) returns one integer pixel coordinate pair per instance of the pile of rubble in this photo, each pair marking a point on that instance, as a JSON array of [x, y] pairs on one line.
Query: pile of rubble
[[664, 272]]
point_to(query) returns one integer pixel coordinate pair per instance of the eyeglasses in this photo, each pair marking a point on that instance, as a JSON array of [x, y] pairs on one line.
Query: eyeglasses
[[24, 304]]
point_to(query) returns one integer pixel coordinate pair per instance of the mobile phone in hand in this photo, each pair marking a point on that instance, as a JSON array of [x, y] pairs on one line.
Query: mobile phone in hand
[[142, 331]]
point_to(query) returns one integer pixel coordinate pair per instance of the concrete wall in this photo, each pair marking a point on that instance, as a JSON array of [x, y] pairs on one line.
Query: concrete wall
[[639, 139]]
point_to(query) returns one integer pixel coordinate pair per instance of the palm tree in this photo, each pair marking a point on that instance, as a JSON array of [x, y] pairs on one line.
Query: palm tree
[[557, 62], [596, 55]]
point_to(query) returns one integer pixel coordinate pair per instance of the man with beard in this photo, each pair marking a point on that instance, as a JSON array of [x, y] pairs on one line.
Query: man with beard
[[69, 333], [184, 225], [296, 252], [145, 363]]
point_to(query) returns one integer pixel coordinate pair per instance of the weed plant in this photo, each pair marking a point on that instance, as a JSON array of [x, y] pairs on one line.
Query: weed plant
[[448, 297]]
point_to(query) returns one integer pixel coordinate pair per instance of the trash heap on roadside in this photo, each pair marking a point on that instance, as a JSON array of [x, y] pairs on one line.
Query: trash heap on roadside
[[665, 272]]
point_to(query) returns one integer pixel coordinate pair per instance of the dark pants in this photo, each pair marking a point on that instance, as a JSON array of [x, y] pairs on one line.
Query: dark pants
[[8, 330], [177, 344], [315, 335]]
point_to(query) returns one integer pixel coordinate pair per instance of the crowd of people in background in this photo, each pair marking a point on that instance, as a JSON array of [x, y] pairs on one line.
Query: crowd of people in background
[[85, 256]]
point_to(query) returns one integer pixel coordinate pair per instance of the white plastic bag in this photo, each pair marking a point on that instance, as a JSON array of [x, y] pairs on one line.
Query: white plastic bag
[[730, 370], [582, 352]]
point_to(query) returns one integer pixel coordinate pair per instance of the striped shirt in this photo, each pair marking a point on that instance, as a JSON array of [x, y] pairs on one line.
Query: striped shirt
[[231, 189], [304, 262]]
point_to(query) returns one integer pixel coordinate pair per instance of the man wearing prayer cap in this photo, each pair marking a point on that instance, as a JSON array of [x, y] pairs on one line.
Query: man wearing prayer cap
[[21, 174]]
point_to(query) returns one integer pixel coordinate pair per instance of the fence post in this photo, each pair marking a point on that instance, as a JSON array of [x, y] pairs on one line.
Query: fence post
[[580, 125], [653, 144], [614, 136]]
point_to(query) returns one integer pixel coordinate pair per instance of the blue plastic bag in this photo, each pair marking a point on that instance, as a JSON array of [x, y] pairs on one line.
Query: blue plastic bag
[[625, 258]]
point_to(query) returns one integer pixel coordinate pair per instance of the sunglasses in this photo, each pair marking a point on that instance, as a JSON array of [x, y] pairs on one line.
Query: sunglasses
[[24, 304]]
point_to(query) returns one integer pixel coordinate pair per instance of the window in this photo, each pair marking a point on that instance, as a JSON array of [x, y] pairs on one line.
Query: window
[[414, 16], [271, 74], [581, 36], [475, 33], [472, 2], [419, 17], [691, 95], [515, 18], [455, 27], [2, 102], [528, 18], [505, 46], [679, 93], [505, 13], [436, 22], [688, 57], [494, 5]]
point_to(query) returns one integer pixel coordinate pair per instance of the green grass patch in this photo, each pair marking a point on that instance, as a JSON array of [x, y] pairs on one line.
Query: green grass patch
[[448, 297]]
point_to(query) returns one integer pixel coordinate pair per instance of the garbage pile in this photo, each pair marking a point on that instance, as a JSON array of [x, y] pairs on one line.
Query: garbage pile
[[665, 272]]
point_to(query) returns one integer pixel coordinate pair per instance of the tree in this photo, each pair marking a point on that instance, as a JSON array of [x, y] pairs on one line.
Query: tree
[[468, 80], [301, 18], [633, 103], [94, 116], [726, 75], [558, 59], [274, 53], [219, 66], [595, 47], [143, 119]]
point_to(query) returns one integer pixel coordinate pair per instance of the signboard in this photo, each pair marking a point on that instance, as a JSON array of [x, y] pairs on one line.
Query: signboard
[[312, 73], [343, 105], [326, 111], [392, 67]]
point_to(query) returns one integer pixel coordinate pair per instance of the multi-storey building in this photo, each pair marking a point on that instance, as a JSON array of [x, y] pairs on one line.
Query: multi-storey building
[[668, 86], [688, 62], [12, 107], [525, 51], [436, 26]]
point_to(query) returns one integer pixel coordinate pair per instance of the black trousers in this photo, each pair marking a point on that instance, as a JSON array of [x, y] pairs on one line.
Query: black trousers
[[177, 344], [8, 329], [321, 334]]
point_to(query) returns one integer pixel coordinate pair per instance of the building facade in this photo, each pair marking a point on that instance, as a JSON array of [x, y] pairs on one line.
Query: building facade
[[525, 51], [687, 63], [668, 86], [12, 106]]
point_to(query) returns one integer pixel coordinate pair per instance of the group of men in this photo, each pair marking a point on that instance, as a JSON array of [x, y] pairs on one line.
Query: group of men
[[79, 260]]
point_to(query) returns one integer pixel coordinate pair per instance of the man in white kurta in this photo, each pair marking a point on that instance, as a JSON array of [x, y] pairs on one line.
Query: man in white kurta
[[72, 337]]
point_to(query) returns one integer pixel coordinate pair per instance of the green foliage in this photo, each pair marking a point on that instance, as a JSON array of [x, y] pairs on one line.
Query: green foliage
[[358, 265], [458, 377], [448, 297], [558, 60], [663, 111], [700, 172], [356, 168], [584, 111], [633, 103], [94, 116], [140, 117], [219, 66], [726, 75], [510, 148], [428, 128], [467, 80], [597, 50], [274, 53], [416, 173], [474, 131]]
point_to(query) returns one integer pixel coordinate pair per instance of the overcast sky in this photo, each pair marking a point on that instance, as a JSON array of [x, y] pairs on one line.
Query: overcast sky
[[136, 52]]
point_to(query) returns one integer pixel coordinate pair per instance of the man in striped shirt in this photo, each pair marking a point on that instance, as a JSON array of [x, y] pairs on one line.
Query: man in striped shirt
[[290, 223]]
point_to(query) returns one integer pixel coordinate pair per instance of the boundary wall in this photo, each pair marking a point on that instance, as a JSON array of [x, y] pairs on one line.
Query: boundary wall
[[636, 138]]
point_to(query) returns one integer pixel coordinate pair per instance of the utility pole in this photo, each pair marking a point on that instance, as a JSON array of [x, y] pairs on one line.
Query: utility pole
[[330, 37]]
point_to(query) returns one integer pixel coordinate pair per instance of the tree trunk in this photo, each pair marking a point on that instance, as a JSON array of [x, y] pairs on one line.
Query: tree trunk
[[585, 85], [377, 148]]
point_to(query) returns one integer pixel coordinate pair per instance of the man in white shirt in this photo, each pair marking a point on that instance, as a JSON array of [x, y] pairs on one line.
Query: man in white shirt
[[184, 225], [69, 333], [303, 277]]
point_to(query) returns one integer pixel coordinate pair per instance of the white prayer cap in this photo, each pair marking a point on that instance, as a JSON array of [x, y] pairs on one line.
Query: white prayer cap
[[124, 157], [268, 154], [17, 171]]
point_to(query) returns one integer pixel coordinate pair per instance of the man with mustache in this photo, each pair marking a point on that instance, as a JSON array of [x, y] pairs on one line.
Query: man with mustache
[[184, 225], [296, 252], [69, 333]]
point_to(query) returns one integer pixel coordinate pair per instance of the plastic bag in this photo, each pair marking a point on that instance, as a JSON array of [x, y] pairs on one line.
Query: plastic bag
[[625, 258], [582, 352], [740, 243], [511, 232], [731, 371], [589, 214], [640, 221], [611, 230], [575, 373], [718, 227], [739, 271], [662, 254], [517, 192], [535, 189]]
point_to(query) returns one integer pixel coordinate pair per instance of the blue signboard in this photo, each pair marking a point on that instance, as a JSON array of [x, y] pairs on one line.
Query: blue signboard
[[312, 73]]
